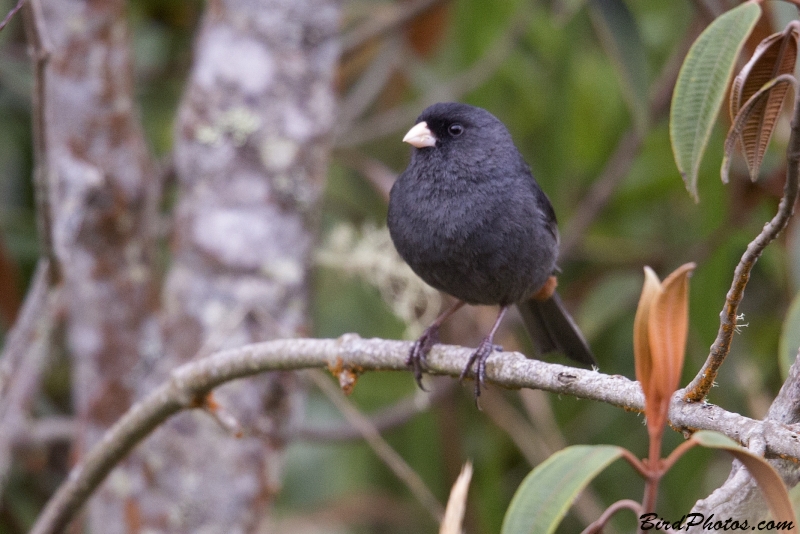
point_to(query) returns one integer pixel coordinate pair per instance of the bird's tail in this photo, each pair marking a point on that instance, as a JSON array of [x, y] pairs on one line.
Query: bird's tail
[[552, 329]]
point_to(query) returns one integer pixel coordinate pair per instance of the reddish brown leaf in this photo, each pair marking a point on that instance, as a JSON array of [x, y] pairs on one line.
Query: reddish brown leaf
[[659, 340], [754, 105], [641, 339], [776, 55], [668, 326]]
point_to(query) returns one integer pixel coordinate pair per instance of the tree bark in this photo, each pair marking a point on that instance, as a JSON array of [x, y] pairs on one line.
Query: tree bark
[[101, 199], [251, 147]]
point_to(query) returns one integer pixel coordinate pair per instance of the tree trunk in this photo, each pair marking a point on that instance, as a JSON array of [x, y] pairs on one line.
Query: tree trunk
[[102, 200], [251, 146]]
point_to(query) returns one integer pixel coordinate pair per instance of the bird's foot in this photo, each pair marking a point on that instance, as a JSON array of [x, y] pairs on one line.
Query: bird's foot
[[478, 359], [418, 355]]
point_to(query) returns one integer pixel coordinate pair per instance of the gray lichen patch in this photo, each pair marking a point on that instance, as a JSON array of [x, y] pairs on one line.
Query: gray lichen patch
[[238, 123], [229, 59]]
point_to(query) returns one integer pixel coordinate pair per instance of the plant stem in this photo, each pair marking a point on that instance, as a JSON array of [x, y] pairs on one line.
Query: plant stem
[[654, 472]]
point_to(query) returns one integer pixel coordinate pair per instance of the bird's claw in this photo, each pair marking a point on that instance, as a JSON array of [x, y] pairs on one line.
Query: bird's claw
[[418, 355], [478, 359]]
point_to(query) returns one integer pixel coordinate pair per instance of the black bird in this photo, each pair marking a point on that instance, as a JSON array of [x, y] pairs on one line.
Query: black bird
[[470, 219]]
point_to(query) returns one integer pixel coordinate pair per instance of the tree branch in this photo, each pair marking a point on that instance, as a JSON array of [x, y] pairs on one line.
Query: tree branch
[[394, 119], [702, 383], [352, 354], [40, 49]]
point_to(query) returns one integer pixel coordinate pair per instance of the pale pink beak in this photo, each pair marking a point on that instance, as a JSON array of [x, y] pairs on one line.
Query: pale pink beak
[[420, 136]]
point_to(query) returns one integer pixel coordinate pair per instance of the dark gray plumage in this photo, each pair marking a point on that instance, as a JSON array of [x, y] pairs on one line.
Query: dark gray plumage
[[470, 220]]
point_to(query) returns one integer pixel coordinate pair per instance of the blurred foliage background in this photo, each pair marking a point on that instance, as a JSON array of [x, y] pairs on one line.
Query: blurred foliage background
[[549, 71]]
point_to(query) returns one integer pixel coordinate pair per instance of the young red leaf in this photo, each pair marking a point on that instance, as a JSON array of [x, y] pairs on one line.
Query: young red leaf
[[641, 338], [659, 340]]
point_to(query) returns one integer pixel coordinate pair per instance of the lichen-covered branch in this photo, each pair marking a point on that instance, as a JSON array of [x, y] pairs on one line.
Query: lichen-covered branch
[[352, 354]]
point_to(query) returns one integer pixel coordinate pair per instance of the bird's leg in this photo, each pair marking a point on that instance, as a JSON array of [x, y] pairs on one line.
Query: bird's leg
[[418, 355], [482, 354]]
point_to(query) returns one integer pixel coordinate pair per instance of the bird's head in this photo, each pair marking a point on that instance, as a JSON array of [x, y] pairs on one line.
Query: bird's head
[[453, 127]]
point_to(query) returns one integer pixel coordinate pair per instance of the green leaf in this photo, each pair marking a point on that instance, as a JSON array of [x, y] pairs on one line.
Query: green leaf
[[768, 480], [701, 86], [790, 337], [620, 38], [544, 497]]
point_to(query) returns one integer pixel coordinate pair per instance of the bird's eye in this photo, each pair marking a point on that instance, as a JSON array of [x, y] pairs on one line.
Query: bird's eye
[[455, 130]]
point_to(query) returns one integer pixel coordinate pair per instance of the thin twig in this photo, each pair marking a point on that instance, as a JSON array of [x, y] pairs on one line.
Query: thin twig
[[506, 369], [377, 26], [385, 452], [39, 43], [698, 389], [530, 443], [221, 415], [379, 176], [386, 419], [635, 462], [654, 473], [11, 14], [675, 455], [390, 121], [371, 82], [621, 160], [19, 338], [47, 430], [615, 170], [601, 522], [25, 385], [533, 443], [22, 362]]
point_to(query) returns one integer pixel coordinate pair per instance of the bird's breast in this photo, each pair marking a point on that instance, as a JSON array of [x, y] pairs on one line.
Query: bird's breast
[[481, 244]]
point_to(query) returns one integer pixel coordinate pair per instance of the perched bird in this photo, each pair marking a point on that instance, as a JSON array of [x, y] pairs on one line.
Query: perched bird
[[470, 220]]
